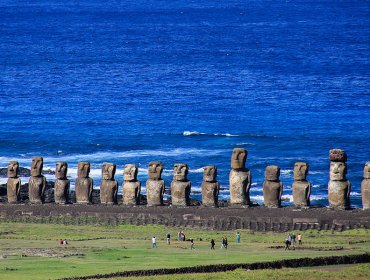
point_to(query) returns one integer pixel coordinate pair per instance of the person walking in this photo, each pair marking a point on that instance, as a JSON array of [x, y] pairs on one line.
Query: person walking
[[238, 237], [179, 236], [212, 244], [287, 244], [299, 239], [168, 236], [192, 244], [226, 243], [154, 242], [293, 239]]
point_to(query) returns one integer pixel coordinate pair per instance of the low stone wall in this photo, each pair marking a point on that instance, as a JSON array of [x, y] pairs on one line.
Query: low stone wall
[[257, 218], [293, 263]]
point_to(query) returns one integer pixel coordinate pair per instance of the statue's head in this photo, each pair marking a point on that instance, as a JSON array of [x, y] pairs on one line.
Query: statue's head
[[338, 171], [155, 170], [180, 171], [37, 165], [108, 171], [272, 173], [13, 169], [210, 173], [238, 158], [61, 170], [367, 170], [337, 155], [300, 171], [130, 172], [83, 169]]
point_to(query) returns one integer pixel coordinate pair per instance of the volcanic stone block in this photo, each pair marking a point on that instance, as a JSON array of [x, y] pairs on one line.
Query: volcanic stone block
[[155, 186], [210, 187], [37, 182], [108, 185], [272, 187], [131, 186], [13, 185], [339, 187], [180, 186], [301, 187], [62, 184], [84, 184], [239, 179], [365, 187]]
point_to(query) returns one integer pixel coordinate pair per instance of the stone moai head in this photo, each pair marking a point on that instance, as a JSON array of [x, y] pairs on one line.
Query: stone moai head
[[367, 170], [36, 166], [238, 158], [180, 171], [338, 171], [155, 170], [300, 171], [210, 173], [272, 173], [130, 172], [337, 155], [13, 169], [83, 169], [108, 171], [61, 170]]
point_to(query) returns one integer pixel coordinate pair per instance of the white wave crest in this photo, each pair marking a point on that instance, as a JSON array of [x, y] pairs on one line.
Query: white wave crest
[[195, 133]]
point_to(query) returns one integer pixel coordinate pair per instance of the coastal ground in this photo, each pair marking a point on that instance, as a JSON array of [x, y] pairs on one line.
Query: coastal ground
[[32, 251]]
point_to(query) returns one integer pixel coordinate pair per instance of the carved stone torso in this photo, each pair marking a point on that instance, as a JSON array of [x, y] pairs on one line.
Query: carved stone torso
[[84, 187], [154, 192], [61, 191], [365, 192], [272, 193], [180, 192], [13, 187], [131, 192], [37, 187], [210, 192], [338, 194], [301, 193], [108, 191], [239, 187]]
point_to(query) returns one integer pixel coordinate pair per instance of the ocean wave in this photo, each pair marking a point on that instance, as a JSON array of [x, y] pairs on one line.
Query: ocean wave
[[196, 133]]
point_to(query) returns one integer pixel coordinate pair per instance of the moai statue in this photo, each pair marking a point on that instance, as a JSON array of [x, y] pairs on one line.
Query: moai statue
[[365, 187], [108, 185], [131, 186], [13, 185], [84, 184], [37, 182], [210, 187], [180, 186], [301, 187], [62, 184], [155, 186], [239, 179], [339, 187], [272, 187]]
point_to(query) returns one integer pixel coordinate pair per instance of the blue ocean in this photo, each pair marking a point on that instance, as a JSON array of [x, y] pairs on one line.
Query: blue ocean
[[187, 81]]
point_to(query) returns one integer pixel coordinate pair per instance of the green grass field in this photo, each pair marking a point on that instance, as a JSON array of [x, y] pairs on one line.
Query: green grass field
[[31, 251]]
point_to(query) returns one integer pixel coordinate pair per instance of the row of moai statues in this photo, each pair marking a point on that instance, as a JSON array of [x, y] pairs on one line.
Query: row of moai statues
[[239, 181]]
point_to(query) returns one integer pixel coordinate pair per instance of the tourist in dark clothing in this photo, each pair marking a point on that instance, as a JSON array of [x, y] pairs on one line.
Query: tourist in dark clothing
[[212, 244], [287, 244], [168, 236], [226, 243]]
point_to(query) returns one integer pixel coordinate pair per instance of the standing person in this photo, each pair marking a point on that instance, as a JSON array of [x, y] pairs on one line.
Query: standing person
[[238, 237], [299, 239], [183, 236], [226, 243], [293, 240], [179, 236], [223, 243], [287, 244], [192, 244], [212, 244], [168, 236], [154, 242]]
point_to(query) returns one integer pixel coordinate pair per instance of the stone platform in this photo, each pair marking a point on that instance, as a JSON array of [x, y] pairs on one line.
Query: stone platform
[[257, 218]]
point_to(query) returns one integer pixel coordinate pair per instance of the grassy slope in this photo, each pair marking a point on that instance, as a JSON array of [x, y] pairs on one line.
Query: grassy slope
[[126, 247]]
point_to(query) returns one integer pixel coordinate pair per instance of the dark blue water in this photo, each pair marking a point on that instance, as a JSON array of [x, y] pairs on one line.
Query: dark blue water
[[126, 83]]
